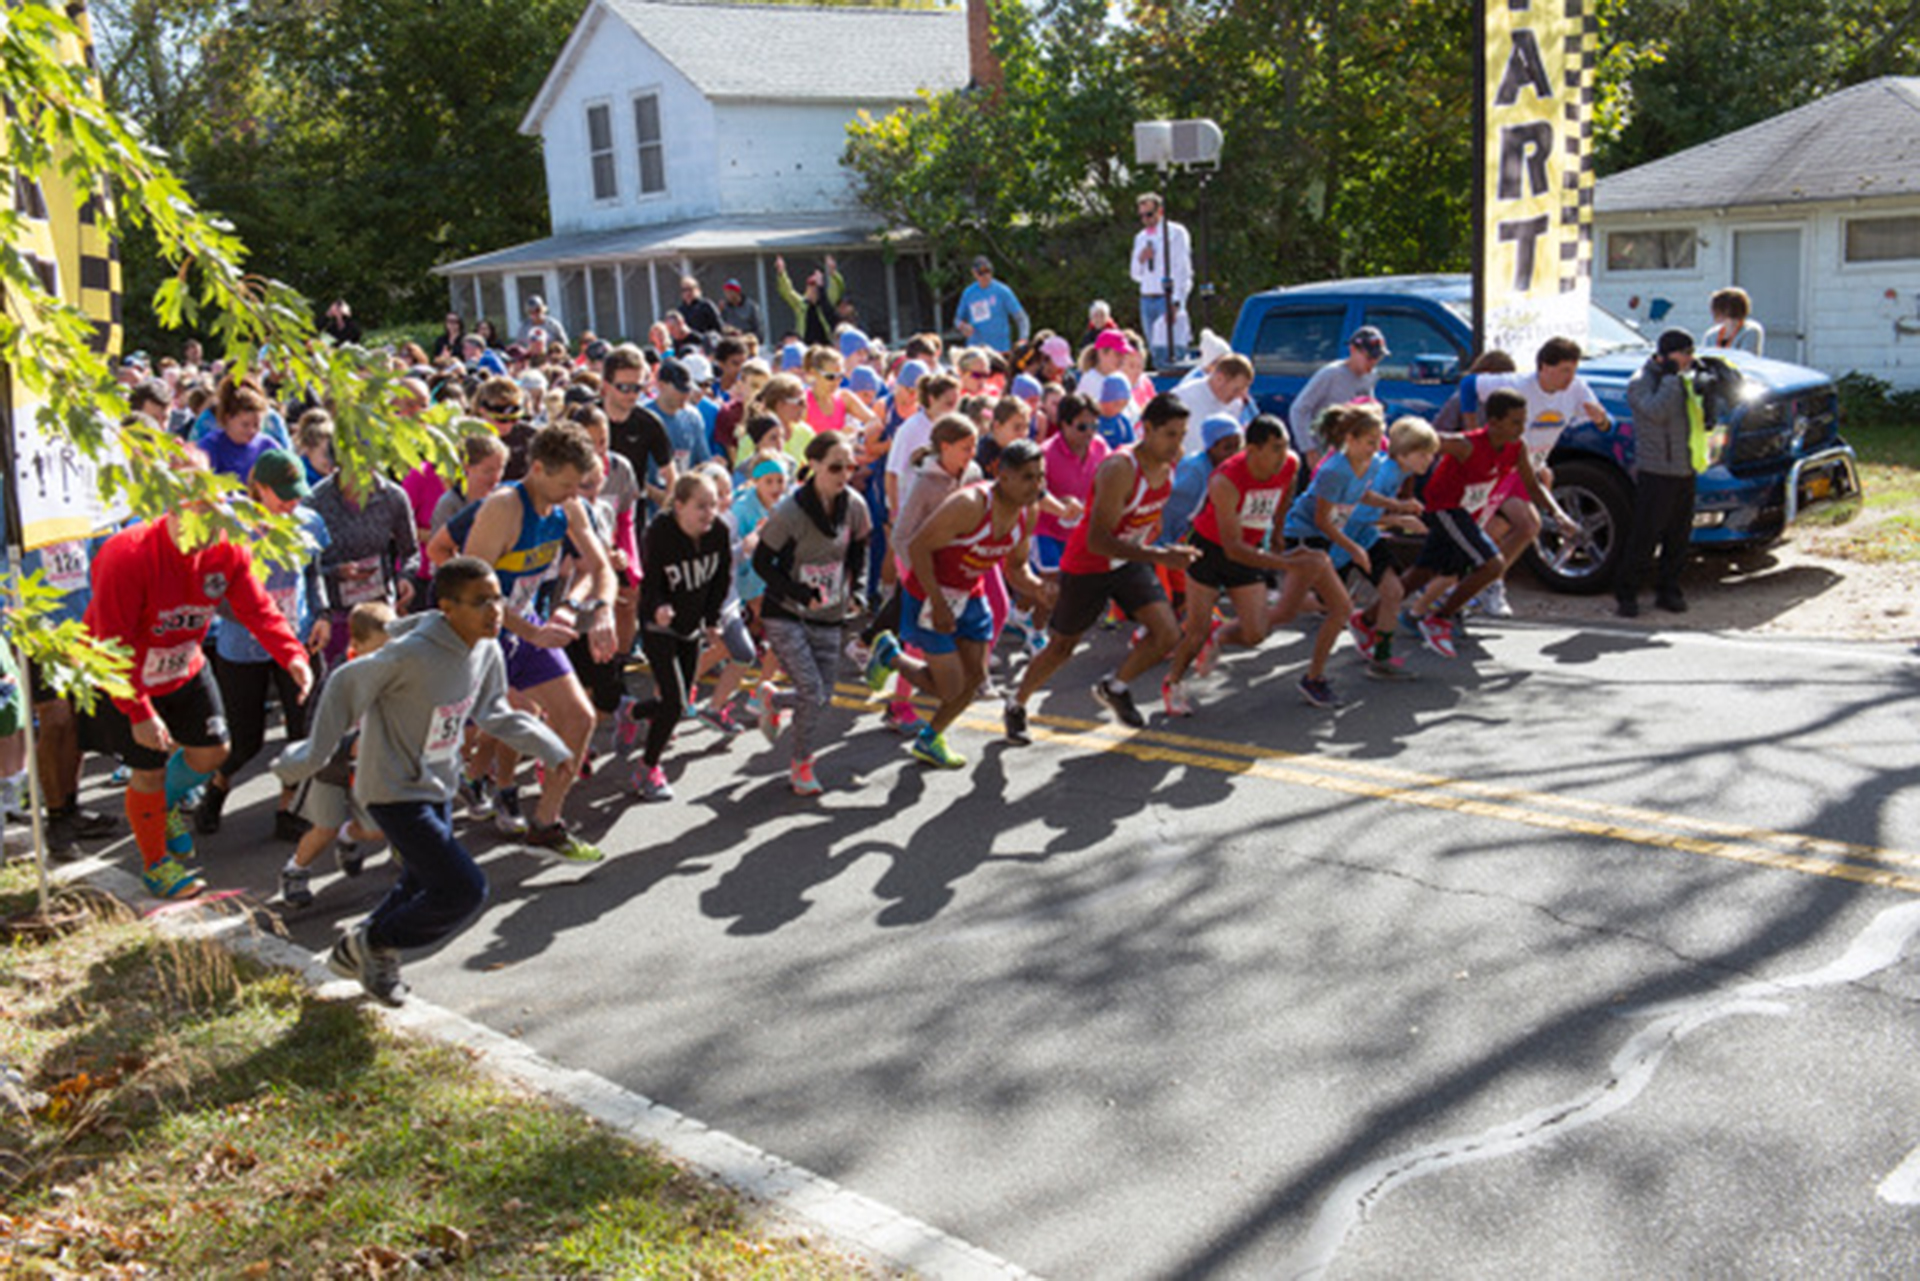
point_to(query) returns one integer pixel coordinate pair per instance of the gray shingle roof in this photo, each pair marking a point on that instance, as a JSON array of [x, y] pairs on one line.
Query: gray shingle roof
[[743, 233], [796, 52], [1859, 142]]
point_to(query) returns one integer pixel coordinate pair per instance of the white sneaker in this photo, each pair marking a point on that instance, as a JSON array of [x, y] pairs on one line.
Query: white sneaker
[[1493, 601]]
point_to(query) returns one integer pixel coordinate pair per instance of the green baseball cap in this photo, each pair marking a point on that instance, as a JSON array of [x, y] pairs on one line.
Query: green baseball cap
[[281, 472]]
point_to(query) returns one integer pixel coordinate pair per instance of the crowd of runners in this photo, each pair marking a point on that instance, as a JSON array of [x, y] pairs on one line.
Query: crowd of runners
[[702, 528]]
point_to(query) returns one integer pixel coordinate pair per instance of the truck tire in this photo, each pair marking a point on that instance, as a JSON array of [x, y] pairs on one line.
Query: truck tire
[[1600, 499]]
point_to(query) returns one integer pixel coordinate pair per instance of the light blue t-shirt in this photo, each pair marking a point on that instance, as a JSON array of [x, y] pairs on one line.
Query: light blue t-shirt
[[288, 588], [1337, 484], [991, 311], [1363, 527]]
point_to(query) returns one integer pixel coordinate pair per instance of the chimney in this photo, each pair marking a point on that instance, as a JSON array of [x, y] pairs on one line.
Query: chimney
[[982, 66]]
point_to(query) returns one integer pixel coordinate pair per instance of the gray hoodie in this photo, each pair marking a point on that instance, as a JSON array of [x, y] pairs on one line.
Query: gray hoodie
[[412, 699]]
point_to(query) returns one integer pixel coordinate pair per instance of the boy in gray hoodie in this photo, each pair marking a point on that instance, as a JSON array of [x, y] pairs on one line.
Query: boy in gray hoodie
[[411, 701]]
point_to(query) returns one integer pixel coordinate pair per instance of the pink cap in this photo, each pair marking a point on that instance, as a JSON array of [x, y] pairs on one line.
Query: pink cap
[[1056, 350], [1110, 340]]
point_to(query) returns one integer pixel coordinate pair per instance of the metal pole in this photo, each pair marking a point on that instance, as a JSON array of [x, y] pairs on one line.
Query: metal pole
[[16, 601], [1166, 274]]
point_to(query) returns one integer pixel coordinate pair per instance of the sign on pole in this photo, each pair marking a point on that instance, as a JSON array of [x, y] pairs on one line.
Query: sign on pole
[[1533, 199]]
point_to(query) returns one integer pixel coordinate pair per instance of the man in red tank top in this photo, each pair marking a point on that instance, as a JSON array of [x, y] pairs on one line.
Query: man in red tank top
[[1110, 556]]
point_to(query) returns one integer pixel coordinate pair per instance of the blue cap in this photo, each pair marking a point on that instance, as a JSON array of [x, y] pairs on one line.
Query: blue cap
[[792, 356], [863, 379], [1027, 387], [852, 340], [491, 362], [910, 374], [1115, 387], [1218, 427]]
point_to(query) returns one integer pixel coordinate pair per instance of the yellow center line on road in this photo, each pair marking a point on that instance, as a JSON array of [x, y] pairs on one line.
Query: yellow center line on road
[[1761, 847]]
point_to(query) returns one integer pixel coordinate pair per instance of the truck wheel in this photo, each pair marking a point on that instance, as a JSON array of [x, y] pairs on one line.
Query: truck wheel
[[1597, 497]]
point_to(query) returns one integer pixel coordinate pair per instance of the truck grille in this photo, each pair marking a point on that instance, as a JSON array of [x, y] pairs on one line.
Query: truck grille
[[1784, 427]]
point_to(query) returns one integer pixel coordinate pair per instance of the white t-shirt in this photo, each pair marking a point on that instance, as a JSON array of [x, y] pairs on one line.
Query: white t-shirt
[[911, 435], [1202, 404], [1548, 413]]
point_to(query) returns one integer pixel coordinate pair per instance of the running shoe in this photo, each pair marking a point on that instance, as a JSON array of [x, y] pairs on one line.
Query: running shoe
[[1174, 695], [1437, 634], [352, 858], [1318, 692], [768, 713], [626, 726], [650, 782], [376, 968], [932, 749], [507, 818], [720, 718], [179, 835], [213, 804], [1014, 718], [1209, 655], [800, 778], [1493, 600], [557, 838], [477, 794], [902, 719], [1120, 703], [88, 825], [296, 888], [1364, 634], [169, 878], [1388, 669], [886, 649]]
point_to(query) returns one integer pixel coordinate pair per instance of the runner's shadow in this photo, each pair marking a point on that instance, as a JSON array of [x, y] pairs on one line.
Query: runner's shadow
[[1590, 647]]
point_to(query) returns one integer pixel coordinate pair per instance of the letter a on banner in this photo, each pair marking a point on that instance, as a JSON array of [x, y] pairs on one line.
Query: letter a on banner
[[1533, 195]]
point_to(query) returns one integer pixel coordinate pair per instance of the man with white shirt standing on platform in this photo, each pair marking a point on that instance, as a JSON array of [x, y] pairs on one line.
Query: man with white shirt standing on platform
[[1163, 268]]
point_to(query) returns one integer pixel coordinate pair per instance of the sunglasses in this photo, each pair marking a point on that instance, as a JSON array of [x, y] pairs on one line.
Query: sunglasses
[[500, 411], [627, 389], [838, 469], [1084, 424]]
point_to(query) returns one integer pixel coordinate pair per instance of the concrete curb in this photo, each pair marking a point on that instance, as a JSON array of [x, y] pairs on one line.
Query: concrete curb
[[795, 1198]]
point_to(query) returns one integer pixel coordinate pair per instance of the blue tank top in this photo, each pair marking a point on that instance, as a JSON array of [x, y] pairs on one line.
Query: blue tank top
[[534, 557]]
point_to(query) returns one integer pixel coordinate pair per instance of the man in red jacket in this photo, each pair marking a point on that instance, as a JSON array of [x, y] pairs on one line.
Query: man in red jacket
[[157, 598]]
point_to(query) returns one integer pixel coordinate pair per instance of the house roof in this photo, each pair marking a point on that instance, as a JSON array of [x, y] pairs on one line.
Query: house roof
[[786, 53], [1860, 142], [771, 233]]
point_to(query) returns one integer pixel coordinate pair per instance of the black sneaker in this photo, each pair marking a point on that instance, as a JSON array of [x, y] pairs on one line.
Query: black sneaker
[[1014, 717], [376, 968], [1673, 602], [289, 826], [86, 825], [296, 890], [213, 803], [1627, 606], [1120, 704]]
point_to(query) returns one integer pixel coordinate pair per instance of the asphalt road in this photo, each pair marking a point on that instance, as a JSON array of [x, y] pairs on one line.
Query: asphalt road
[[1586, 955]]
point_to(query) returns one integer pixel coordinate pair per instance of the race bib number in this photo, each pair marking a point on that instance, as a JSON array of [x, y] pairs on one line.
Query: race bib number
[[1259, 509], [169, 665], [446, 730], [362, 581], [982, 311], [1342, 513], [828, 582], [65, 566], [287, 601], [525, 592], [681, 459], [1477, 496]]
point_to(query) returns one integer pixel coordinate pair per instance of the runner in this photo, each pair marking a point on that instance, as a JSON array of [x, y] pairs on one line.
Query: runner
[[945, 612], [519, 532], [411, 701], [157, 598], [811, 552], [1109, 557]]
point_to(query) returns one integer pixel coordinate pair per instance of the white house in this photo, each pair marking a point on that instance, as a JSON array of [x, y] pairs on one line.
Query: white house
[[705, 139], [1815, 213]]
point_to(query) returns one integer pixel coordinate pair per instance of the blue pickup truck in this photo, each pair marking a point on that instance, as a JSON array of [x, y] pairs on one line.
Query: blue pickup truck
[[1777, 448]]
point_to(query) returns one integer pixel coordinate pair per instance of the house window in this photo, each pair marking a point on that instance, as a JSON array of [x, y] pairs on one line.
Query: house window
[[1670, 250], [1882, 239], [606, 180], [646, 128]]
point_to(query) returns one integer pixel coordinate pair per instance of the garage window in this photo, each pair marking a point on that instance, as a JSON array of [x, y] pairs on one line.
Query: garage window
[[1668, 249], [1882, 239]]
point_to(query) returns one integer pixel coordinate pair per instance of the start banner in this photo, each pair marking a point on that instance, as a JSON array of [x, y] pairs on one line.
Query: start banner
[[1533, 205]]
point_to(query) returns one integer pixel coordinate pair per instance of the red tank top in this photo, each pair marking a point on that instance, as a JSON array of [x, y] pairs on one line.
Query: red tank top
[[1261, 501], [960, 566], [1139, 521], [1468, 484]]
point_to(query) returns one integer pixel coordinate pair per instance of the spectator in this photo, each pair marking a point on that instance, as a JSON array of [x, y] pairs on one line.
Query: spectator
[[737, 311], [701, 315], [814, 310], [340, 324], [1162, 266], [1731, 326], [449, 341], [1336, 384], [988, 311], [541, 323], [1667, 417]]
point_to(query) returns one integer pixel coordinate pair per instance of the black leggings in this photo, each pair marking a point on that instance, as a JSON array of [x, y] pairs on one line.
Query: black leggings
[[673, 662], [244, 688], [605, 683]]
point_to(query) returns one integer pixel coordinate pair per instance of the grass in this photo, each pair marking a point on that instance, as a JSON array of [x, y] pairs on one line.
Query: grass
[[1882, 524], [190, 1114]]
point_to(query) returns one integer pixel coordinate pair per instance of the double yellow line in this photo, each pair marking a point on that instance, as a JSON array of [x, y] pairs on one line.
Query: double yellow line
[[1740, 843]]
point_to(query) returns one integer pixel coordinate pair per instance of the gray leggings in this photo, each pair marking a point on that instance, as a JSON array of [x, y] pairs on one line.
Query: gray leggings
[[811, 654]]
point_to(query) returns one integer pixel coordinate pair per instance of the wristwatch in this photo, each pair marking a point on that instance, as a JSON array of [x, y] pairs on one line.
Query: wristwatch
[[585, 607]]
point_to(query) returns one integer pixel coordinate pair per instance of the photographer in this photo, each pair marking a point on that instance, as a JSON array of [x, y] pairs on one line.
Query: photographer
[[1667, 398]]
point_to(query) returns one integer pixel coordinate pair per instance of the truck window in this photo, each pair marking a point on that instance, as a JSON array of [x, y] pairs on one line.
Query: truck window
[[1298, 340], [1411, 335]]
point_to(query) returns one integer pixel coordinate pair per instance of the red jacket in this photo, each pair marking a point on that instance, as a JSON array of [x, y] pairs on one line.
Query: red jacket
[[158, 601]]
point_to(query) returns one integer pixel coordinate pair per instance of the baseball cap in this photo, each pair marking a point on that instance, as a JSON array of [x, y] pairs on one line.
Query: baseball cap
[[733, 286], [910, 374], [792, 356], [1218, 427], [1058, 351], [598, 349], [983, 263], [281, 472], [1027, 387], [675, 374], [536, 301], [1115, 387], [1675, 340], [863, 379], [534, 381], [1110, 340], [1369, 340], [699, 368], [516, 352], [851, 341]]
